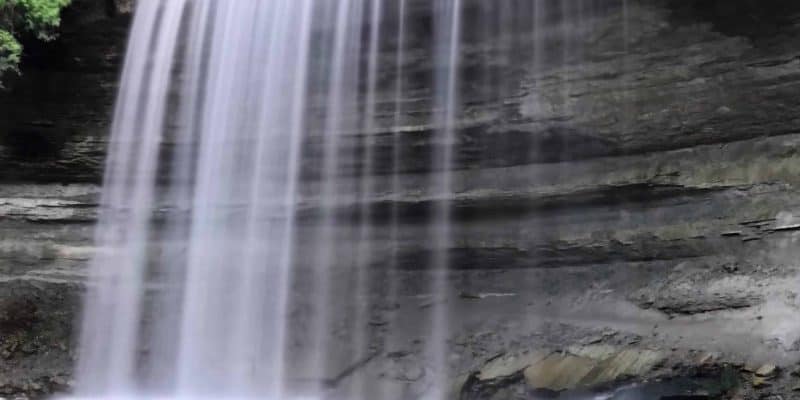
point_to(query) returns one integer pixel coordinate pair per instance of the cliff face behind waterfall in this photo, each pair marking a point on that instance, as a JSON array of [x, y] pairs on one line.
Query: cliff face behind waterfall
[[53, 127], [659, 167]]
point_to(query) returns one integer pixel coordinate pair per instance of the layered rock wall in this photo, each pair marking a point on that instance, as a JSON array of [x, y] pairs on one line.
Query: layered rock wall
[[53, 130], [651, 168]]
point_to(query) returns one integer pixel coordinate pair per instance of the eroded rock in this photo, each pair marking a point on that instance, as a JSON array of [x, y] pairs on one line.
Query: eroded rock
[[506, 365]]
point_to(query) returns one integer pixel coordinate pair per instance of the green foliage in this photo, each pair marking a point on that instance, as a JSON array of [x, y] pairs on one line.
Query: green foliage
[[40, 17], [10, 51]]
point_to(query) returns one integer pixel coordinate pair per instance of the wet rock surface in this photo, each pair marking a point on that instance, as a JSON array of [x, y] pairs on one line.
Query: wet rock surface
[[37, 346], [635, 236], [53, 131]]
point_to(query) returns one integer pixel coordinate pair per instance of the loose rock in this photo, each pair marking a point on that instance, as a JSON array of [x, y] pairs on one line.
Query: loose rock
[[767, 370]]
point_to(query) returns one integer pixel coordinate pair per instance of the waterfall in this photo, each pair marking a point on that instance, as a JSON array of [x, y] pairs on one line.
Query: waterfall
[[252, 235], [189, 296]]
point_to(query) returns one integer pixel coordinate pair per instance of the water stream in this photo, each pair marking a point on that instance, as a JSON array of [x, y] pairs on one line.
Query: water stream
[[238, 256]]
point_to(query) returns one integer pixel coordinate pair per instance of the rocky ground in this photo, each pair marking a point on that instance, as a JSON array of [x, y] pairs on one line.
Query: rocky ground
[[627, 331]]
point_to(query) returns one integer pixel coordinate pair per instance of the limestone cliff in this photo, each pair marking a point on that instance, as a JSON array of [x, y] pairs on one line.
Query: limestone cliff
[[53, 129], [648, 174]]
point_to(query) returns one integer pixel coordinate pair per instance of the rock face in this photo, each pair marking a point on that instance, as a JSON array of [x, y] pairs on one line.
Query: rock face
[[53, 130], [646, 177]]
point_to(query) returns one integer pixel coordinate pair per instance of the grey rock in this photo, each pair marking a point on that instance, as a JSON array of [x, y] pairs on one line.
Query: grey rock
[[683, 147], [767, 370]]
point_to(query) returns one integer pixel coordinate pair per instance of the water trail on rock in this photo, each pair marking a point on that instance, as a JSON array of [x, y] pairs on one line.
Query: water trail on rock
[[446, 55], [391, 278], [364, 278], [331, 279]]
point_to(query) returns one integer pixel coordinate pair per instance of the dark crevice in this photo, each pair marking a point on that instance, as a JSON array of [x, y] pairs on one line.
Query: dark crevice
[[514, 205], [757, 20]]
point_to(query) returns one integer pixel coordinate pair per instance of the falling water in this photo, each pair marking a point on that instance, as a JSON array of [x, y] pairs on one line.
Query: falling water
[[244, 250], [448, 28], [205, 319]]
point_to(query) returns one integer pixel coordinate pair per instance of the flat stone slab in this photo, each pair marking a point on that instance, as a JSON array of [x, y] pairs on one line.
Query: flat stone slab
[[589, 366], [559, 372], [509, 364], [630, 362]]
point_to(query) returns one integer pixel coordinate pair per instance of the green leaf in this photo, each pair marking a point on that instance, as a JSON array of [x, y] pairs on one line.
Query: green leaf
[[41, 16], [10, 52]]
